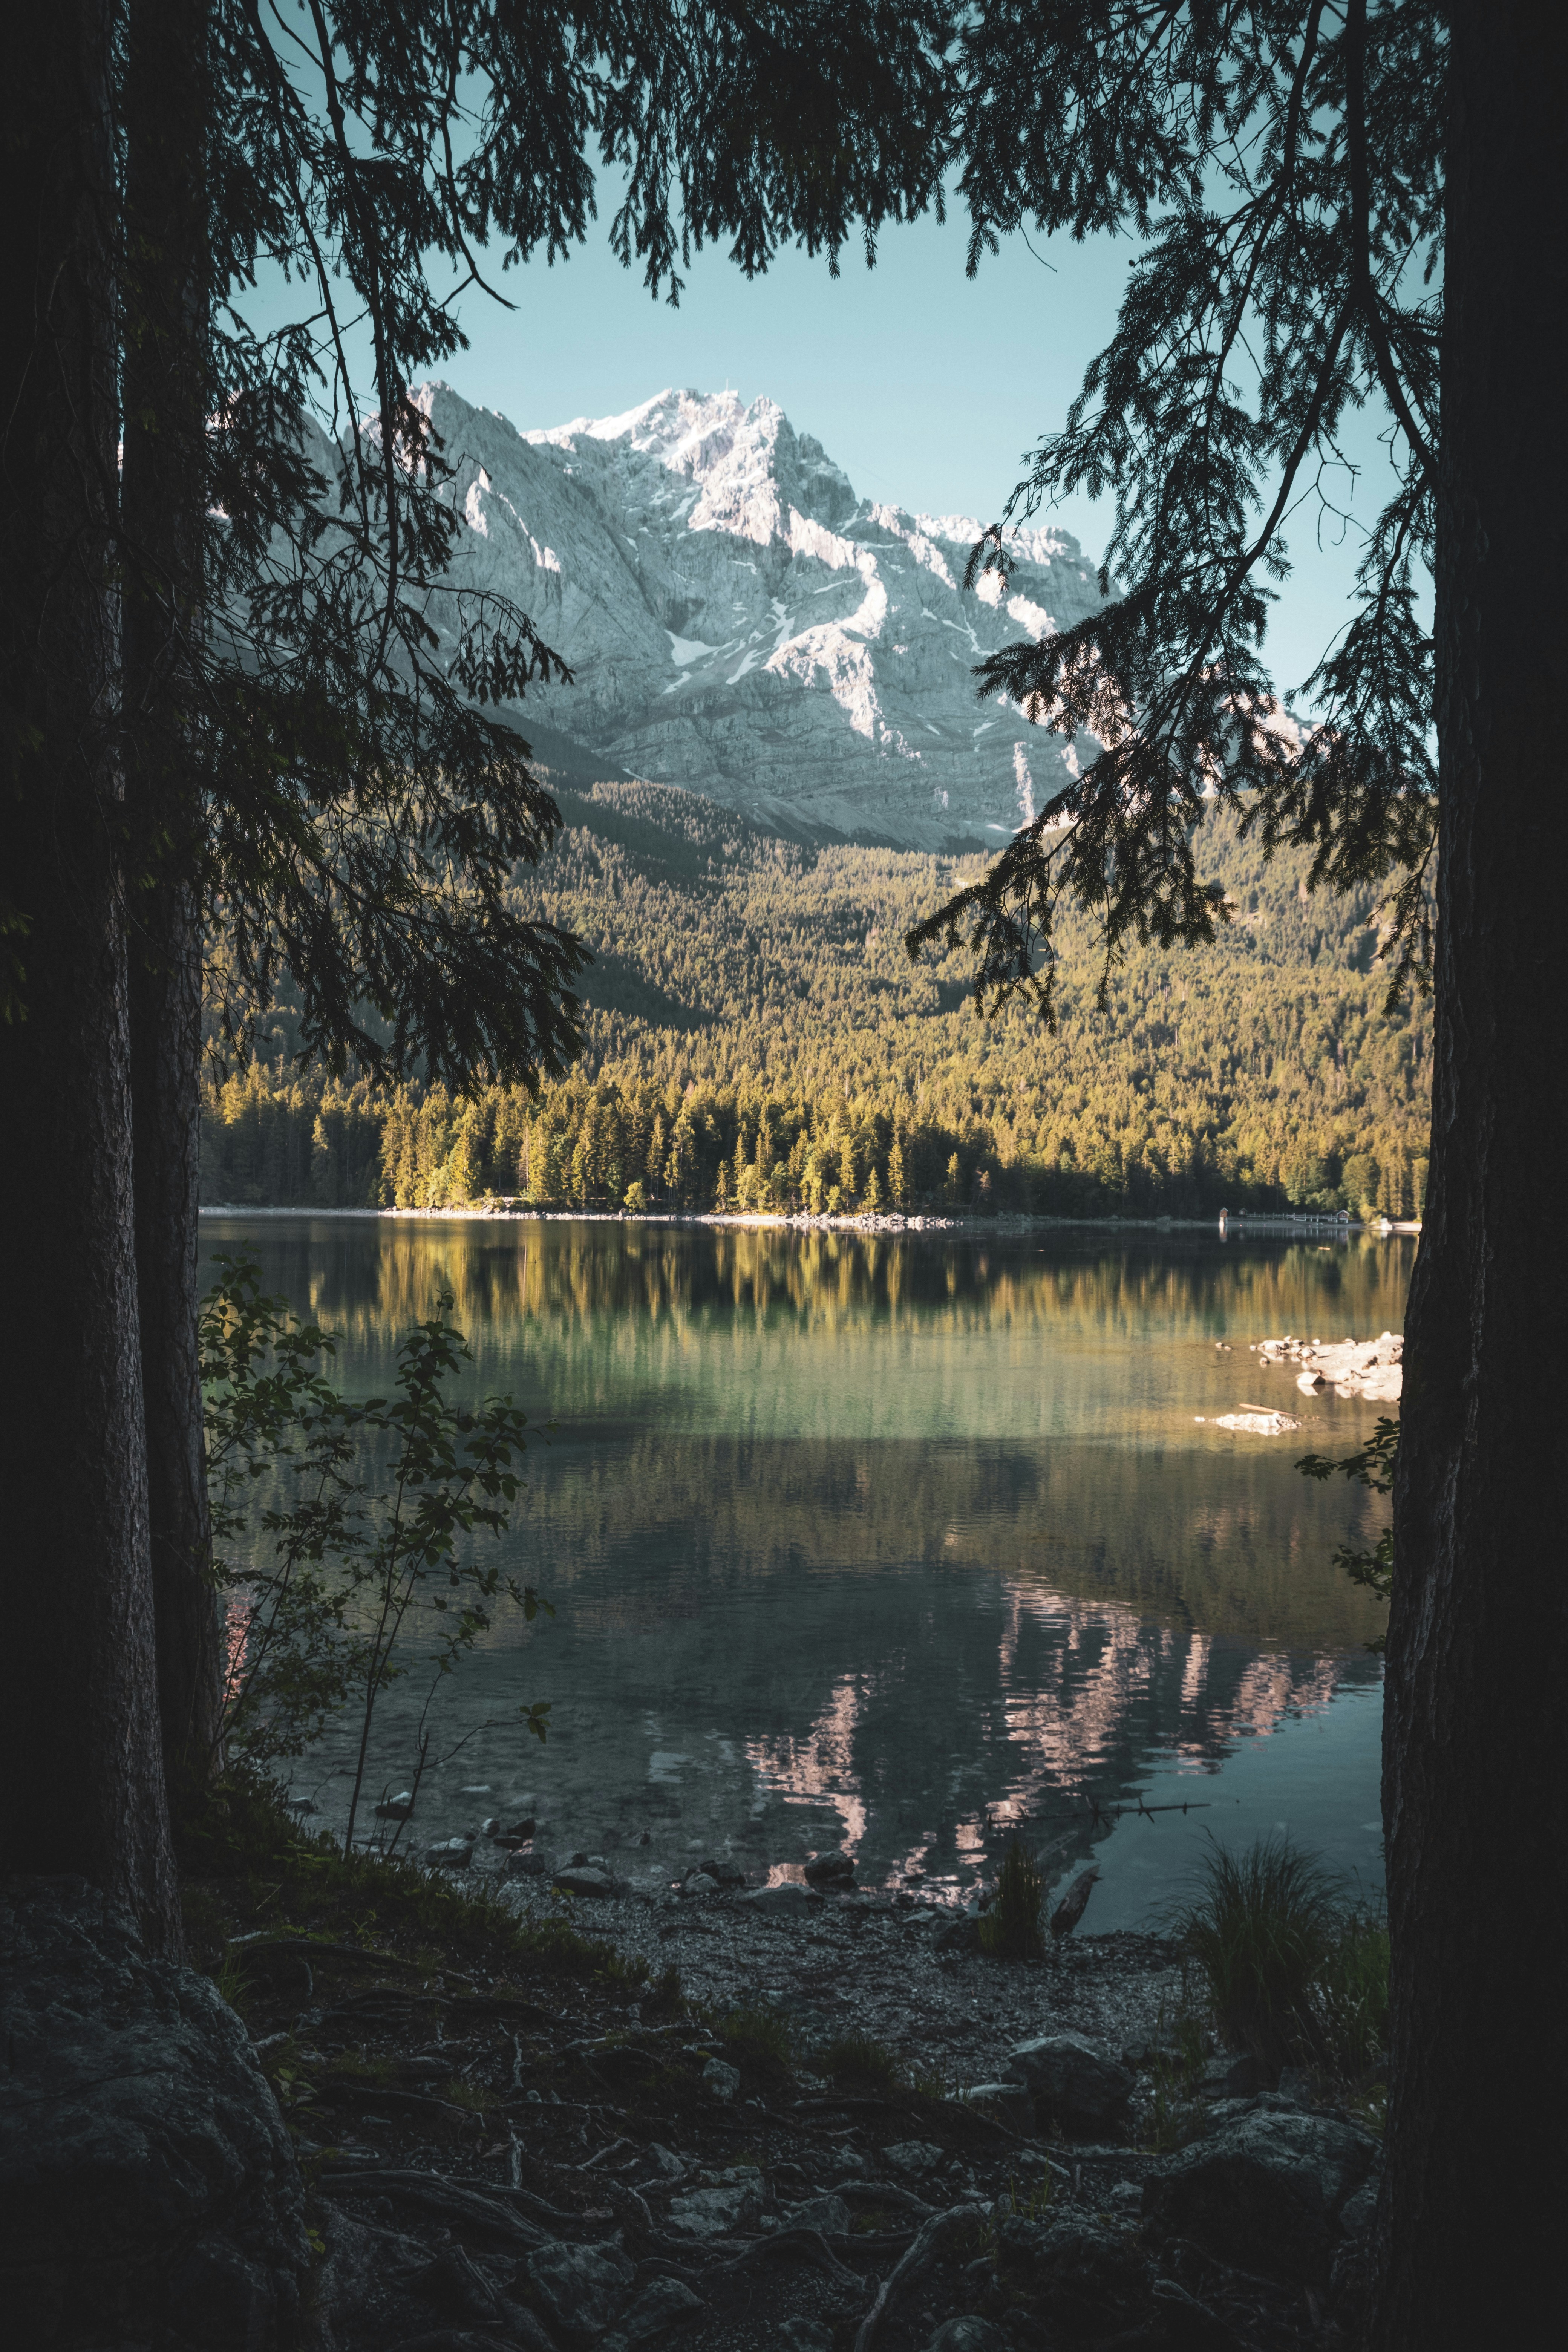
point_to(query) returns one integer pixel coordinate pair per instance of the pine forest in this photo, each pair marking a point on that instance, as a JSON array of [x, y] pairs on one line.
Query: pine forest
[[756, 1039]]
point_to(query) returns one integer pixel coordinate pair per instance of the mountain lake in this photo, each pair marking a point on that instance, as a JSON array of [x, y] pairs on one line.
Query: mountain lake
[[909, 1543]]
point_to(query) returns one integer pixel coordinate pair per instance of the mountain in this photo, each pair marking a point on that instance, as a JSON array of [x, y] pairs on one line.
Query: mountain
[[741, 624]]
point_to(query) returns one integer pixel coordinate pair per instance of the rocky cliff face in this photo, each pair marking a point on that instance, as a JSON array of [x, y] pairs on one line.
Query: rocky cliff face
[[740, 622]]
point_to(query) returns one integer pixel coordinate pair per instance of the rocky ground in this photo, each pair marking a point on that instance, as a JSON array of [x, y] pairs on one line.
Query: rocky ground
[[671, 2151], [724, 2118]]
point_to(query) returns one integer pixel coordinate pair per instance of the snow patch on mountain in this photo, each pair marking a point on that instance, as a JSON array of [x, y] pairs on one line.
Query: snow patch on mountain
[[739, 621]]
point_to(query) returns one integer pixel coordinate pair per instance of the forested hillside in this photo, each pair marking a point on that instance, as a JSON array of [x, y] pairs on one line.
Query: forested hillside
[[757, 1038]]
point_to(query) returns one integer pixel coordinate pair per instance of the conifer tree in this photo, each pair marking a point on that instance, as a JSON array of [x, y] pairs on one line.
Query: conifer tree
[[1342, 205]]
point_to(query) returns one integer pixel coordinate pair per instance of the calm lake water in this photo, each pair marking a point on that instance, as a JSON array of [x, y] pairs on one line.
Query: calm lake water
[[909, 1543]]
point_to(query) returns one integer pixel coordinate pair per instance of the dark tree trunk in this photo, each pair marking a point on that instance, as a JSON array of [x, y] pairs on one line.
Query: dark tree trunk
[[1478, 1647], [165, 300], [80, 1764]]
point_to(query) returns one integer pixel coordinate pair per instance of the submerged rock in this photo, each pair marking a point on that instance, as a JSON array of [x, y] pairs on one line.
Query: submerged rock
[[148, 2188], [830, 1869]]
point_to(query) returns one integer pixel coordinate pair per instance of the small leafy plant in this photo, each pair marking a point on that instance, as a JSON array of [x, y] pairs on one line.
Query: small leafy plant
[[351, 1561]]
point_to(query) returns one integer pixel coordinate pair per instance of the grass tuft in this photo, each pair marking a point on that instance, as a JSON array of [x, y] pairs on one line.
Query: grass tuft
[[665, 1996], [1294, 1975], [857, 2062], [1350, 1999], [1011, 1928], [1259, 1935], [757, 2037]]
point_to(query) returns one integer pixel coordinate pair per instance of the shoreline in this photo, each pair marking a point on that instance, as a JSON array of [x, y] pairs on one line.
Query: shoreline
[[1004, 1226]]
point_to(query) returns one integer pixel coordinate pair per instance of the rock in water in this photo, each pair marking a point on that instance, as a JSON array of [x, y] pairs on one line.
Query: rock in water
[[148, 2188], [830, 1869], [1074, 1904]]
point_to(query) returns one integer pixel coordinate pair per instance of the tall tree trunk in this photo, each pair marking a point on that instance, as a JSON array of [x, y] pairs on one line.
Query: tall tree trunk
[[1478, 1644], [164, 504], [80, 1763]]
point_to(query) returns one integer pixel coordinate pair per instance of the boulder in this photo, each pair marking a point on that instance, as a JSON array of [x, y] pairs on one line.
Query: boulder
[[1266, 2190], [586, 1879], [913, 2157], [580, 2289], [1076, 2083], [721, 2081], [717, 2213], [723, 1874], [805, 2336], [451, 1853], [1092, 2281], [826, 2213], [788, 1900], [148, 2187], [664, 2304], [527, 1865]]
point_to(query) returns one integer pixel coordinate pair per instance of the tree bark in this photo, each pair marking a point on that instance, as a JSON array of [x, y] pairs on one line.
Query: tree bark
[[80, 1764], [1477, 1644], [165, 509]]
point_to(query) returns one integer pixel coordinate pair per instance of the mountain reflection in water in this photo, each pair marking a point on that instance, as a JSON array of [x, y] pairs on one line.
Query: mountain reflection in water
[[910, 1542]]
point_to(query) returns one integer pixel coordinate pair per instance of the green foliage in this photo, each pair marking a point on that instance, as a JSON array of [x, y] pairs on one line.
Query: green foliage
[[347, 1559], [755, 1041], [1283, 170], [1011, 1928], [1372, 1465], [855, 2061]]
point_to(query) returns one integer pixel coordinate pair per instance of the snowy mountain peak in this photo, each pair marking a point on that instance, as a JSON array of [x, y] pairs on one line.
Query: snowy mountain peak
[[740, 622]]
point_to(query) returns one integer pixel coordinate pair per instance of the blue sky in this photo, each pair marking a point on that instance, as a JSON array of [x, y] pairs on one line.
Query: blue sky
[[927, 387]]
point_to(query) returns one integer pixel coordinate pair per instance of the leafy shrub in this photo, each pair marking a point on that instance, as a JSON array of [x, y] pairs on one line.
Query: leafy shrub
[[1011, 1928], [857, 2062]]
